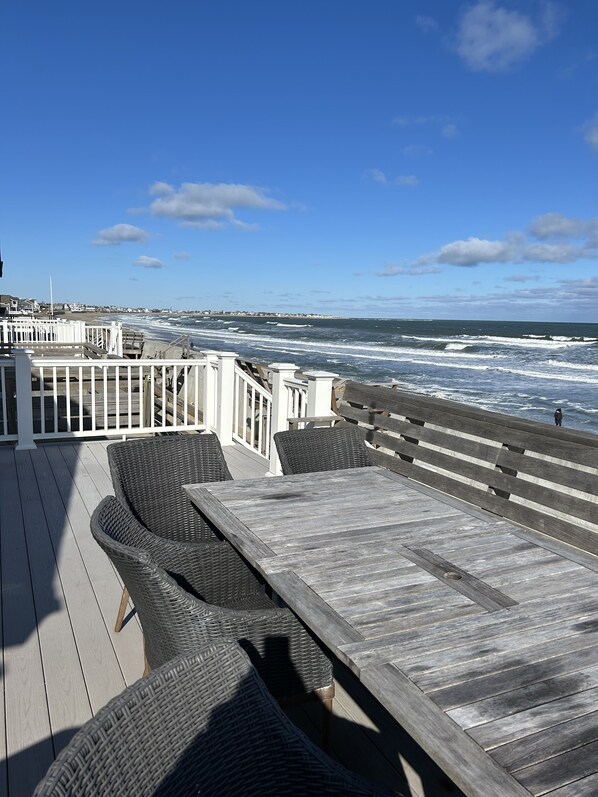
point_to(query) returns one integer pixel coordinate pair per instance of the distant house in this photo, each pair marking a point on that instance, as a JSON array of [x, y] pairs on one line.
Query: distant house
[[9, 305], [28, 306]]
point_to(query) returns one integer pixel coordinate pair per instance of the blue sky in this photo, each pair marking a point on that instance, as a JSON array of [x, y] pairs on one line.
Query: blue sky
[[397, 158]]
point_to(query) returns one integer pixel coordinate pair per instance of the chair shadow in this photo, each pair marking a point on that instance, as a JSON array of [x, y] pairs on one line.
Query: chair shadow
[[379, 750]]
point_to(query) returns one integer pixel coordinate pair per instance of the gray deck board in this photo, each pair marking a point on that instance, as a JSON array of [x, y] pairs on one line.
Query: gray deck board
[[26, 707]]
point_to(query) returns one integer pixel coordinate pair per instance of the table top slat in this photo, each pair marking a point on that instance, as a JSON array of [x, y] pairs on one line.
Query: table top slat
[[483, 675]]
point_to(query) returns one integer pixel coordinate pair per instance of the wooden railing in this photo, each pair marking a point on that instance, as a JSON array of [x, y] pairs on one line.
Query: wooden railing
[[538, 475]]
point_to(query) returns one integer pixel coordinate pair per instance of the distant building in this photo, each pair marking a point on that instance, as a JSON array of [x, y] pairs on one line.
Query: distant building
[[9, 305]]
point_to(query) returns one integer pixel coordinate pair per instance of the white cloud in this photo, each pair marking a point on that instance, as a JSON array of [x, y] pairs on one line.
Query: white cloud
[[148, 262], [408, 180], [182, 256], [427, 24], [491, 38], [404, 180], [555, 238], [119, 234], [590, 131], [412, 150], [209, 206], [560, 227], [375, 175], [522, 278], [412, 271], [447, 127], [450, 130]]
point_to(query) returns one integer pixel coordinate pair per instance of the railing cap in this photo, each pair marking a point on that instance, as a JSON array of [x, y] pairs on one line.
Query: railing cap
[[320, 374], [283, 367]]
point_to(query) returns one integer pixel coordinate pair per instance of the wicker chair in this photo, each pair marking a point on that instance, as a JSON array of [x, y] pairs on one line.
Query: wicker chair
[[310, 450], [176, 622], [205, 725], [147, 476]]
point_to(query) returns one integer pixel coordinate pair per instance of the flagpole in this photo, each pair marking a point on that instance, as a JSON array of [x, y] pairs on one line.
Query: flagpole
[[51, 300]]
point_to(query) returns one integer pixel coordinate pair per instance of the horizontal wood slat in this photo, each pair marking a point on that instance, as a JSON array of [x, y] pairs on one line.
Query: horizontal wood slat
[[542, 477]]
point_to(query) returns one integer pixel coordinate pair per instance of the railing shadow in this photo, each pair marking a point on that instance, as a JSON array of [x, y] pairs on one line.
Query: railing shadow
[[34, 519]]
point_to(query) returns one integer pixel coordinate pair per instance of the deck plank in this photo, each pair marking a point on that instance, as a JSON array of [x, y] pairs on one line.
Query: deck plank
[[68, 701], [101, 670], [26, 708], [79, 502]]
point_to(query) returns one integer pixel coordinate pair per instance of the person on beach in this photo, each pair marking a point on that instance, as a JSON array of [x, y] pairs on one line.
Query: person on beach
[[558, 417]]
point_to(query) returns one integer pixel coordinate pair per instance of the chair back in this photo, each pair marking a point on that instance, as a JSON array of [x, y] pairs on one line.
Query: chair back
[[310, 450], [161, 603], [148, 477], [160, 736], [202, 724]]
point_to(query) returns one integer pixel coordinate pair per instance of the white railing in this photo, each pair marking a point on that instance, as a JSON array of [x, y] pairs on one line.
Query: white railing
[[296, 392], [110, 339], [252, 410], [8, 418], [45, 398], [18, 332], [295, 398], [106, 398]]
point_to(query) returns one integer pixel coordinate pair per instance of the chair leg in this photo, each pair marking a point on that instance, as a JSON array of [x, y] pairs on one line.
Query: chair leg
[[326, 723], [121, 610]]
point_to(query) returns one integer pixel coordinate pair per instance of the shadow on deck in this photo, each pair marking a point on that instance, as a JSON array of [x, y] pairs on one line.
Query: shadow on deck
[[62, 660]]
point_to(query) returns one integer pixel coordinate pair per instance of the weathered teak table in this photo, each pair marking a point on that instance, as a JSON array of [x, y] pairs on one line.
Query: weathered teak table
[[481, 638]]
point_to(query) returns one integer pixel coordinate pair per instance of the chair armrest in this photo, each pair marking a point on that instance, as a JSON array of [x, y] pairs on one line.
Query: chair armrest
[[285, 654]]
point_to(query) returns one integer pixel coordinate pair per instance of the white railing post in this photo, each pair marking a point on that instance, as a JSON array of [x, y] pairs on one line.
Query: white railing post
[[24, 399], [209, 389], [225, 394], [319, 392], [280, 408], [115, 345]]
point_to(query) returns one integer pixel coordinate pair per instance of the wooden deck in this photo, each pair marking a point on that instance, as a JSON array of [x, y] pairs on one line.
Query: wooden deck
[[62, 661]]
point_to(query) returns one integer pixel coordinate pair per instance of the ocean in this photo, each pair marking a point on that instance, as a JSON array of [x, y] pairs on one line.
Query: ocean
[[524, 369]]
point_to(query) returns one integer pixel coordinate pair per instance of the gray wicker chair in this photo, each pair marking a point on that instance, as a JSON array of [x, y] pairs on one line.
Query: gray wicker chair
[[199, 725], [311, 450], [147, 476], [176, 622]]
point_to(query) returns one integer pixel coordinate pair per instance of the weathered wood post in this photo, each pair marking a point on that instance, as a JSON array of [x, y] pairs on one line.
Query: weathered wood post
[[24, 399], [280, 409], [209, 389], [319, 393], [225, 397]]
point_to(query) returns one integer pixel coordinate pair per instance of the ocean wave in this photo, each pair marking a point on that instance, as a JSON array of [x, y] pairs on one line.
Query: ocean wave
[[293, 325], [526, 341], [573, 366]]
